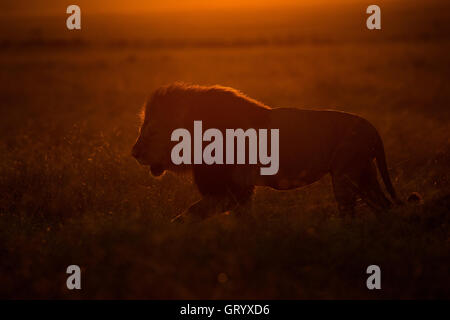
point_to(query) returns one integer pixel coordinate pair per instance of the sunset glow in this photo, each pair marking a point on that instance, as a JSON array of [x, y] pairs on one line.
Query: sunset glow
[[143, 6]]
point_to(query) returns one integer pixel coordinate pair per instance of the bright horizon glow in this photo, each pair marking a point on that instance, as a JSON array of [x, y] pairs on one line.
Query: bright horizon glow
[[26, 7]]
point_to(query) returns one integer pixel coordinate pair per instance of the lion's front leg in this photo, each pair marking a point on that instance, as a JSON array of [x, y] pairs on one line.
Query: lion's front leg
[[205, 208]]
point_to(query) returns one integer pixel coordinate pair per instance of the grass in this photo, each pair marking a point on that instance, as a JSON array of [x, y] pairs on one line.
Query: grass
[[71, 193]]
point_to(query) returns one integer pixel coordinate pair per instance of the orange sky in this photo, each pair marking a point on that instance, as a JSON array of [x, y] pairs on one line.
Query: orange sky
[[136, 6]]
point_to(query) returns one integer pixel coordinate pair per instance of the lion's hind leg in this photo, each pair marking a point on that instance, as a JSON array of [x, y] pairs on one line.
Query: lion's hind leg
[[355, 176], [359, 182], [370, 189]]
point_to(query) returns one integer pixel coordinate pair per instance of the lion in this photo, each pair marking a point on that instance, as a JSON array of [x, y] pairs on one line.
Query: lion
[[312, 144]]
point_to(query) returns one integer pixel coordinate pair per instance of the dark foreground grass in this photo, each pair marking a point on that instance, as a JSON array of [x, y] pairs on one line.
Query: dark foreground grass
[[269, 254]]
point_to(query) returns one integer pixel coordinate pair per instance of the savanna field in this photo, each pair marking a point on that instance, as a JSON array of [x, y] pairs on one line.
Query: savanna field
[[72, 194]]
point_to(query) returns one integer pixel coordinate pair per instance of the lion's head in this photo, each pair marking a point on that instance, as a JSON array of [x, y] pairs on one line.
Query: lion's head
[[177, 106], [160, 116]]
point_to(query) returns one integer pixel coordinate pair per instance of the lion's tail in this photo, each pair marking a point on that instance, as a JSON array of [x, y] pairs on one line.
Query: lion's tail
[[380, 158]]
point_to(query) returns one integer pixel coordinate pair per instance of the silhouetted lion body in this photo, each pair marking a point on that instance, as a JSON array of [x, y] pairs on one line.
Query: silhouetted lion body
[[312, 144]]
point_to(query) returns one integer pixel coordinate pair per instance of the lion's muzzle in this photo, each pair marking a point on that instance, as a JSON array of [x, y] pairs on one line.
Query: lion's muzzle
[[156, 170]]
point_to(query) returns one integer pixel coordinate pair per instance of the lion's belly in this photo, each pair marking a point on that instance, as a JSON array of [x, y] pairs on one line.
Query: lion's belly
[[292, 180], [283, 180], [308, 140]]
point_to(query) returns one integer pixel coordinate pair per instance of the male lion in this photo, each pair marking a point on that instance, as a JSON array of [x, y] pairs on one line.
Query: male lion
[[312, 144]]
